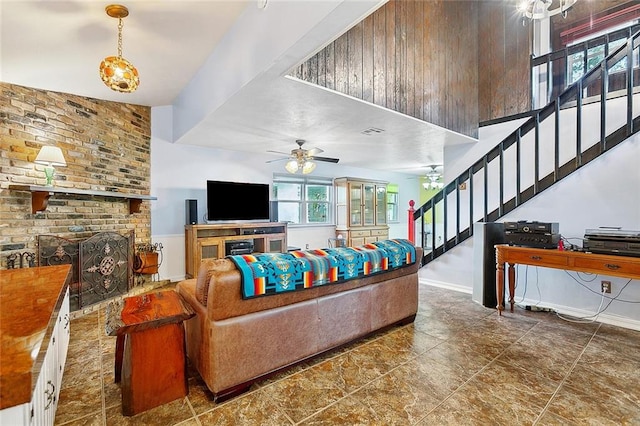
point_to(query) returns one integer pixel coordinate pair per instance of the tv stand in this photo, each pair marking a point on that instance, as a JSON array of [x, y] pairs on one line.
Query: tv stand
[[216, 241]]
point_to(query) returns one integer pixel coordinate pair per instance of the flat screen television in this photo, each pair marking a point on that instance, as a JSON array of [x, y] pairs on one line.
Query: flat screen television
[[237, 201]]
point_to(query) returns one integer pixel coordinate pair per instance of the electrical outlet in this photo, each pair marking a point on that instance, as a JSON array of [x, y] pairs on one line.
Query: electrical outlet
[[605, 287]]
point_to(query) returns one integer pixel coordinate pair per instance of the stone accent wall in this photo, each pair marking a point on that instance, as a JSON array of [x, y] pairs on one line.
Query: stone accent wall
[[107, 148]]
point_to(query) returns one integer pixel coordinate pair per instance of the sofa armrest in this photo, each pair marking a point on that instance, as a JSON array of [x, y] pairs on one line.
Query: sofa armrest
[[187, 289]]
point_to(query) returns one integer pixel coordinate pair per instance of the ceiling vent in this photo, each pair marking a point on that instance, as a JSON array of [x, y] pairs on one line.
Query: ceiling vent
[[372, 131]]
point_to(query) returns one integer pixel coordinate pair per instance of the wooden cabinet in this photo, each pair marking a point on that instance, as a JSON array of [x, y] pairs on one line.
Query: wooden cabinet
[[361, 210], [35, 301], [215, 241]]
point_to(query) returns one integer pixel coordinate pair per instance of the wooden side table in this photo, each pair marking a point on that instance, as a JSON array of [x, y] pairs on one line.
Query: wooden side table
[[150, 348]]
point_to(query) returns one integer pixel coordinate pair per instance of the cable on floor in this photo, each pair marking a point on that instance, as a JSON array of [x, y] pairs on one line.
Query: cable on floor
[[586, 319]]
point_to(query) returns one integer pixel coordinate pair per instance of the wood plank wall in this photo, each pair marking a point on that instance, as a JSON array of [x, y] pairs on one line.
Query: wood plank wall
[[450, 63], [419, 58], [504, 61]]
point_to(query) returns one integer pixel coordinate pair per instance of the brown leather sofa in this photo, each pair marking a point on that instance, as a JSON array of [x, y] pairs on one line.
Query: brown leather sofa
[[233, 342]]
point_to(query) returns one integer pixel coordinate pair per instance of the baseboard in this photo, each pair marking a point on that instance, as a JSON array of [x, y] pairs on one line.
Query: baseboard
[[561, 309], [446, 285]]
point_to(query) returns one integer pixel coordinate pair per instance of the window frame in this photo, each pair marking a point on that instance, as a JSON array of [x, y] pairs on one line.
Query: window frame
[[393, 207], [303, 202], [595, 57]]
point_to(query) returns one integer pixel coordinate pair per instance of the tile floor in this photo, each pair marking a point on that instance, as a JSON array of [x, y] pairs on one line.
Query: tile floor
[[458, 364]]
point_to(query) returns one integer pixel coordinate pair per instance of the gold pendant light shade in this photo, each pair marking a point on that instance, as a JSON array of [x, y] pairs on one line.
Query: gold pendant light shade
[[115, 71], [119, 74]]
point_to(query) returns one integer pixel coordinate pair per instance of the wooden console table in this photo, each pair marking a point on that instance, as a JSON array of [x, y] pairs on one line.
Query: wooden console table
[[150, 348], [617, 266]]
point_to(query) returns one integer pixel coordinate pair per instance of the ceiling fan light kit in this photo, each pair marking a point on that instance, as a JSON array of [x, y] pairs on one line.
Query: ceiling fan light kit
[[305, 166], [434, 179], [115, 71], [541, 9]]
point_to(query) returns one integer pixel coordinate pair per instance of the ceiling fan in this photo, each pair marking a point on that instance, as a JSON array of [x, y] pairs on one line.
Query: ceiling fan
[[302, 160], [434, 177]]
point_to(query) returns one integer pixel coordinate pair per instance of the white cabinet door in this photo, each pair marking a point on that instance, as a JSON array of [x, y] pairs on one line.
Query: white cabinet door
[[63, 333], [47, 391], [44, 396]]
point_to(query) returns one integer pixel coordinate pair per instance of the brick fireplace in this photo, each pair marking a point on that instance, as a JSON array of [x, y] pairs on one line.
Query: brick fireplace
[[106, 146]]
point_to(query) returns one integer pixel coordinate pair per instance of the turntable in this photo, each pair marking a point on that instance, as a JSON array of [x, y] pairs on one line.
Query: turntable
[[612, 241]]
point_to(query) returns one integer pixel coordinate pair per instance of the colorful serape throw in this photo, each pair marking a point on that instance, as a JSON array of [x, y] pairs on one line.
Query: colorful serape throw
[[273, 273], [398, 251], [270, 273]]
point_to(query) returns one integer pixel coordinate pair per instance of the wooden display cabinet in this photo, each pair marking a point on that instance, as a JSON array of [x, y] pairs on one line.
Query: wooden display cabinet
[[361, 210], [213, 241]]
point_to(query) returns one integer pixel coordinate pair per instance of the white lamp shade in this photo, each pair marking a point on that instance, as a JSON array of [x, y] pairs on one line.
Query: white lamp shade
[[50, 156], [308, 167], [291, 166]]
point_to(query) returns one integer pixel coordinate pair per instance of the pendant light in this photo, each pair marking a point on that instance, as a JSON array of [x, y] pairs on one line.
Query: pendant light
[[116, 72]]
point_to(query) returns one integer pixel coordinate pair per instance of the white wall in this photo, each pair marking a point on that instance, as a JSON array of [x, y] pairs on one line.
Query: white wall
[[180, 172], [603, 193]]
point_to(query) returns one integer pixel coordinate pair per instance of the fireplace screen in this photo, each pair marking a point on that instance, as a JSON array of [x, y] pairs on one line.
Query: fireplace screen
[[101, 265]]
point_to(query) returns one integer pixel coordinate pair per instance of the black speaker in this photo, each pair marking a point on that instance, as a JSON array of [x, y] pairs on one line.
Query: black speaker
[[485, 236], [273, 211], [191, 211]]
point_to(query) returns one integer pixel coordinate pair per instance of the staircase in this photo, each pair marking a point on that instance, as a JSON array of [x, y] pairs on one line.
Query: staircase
[[546, 148]]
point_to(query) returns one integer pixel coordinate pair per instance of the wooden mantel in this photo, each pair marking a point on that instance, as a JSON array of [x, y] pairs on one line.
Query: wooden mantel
[[40, 196]]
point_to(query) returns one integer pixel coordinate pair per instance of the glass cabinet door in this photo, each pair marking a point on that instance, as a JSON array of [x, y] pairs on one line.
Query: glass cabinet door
[[381, 205], [209, 248], [355, 204], [276, 245], [369, 204]]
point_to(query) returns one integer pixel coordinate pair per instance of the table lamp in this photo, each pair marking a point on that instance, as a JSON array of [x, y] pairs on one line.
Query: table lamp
[[50, 156]]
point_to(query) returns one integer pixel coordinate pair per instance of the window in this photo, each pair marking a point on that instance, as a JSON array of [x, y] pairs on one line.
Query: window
[[303, 200], [595, 55], [577, 65], [392, 203]]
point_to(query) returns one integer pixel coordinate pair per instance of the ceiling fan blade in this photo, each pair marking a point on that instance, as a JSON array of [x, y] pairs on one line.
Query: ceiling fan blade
[[313, 151], [325, 159], [277, 159], [279, 152]]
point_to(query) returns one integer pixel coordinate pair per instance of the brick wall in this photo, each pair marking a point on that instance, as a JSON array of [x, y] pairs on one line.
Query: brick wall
[[107, 148]]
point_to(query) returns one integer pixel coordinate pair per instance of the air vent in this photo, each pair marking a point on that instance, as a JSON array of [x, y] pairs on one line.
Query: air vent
[[372, 131]]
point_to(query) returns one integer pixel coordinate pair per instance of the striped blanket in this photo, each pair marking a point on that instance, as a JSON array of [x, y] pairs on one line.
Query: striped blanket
[[273, 273]]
